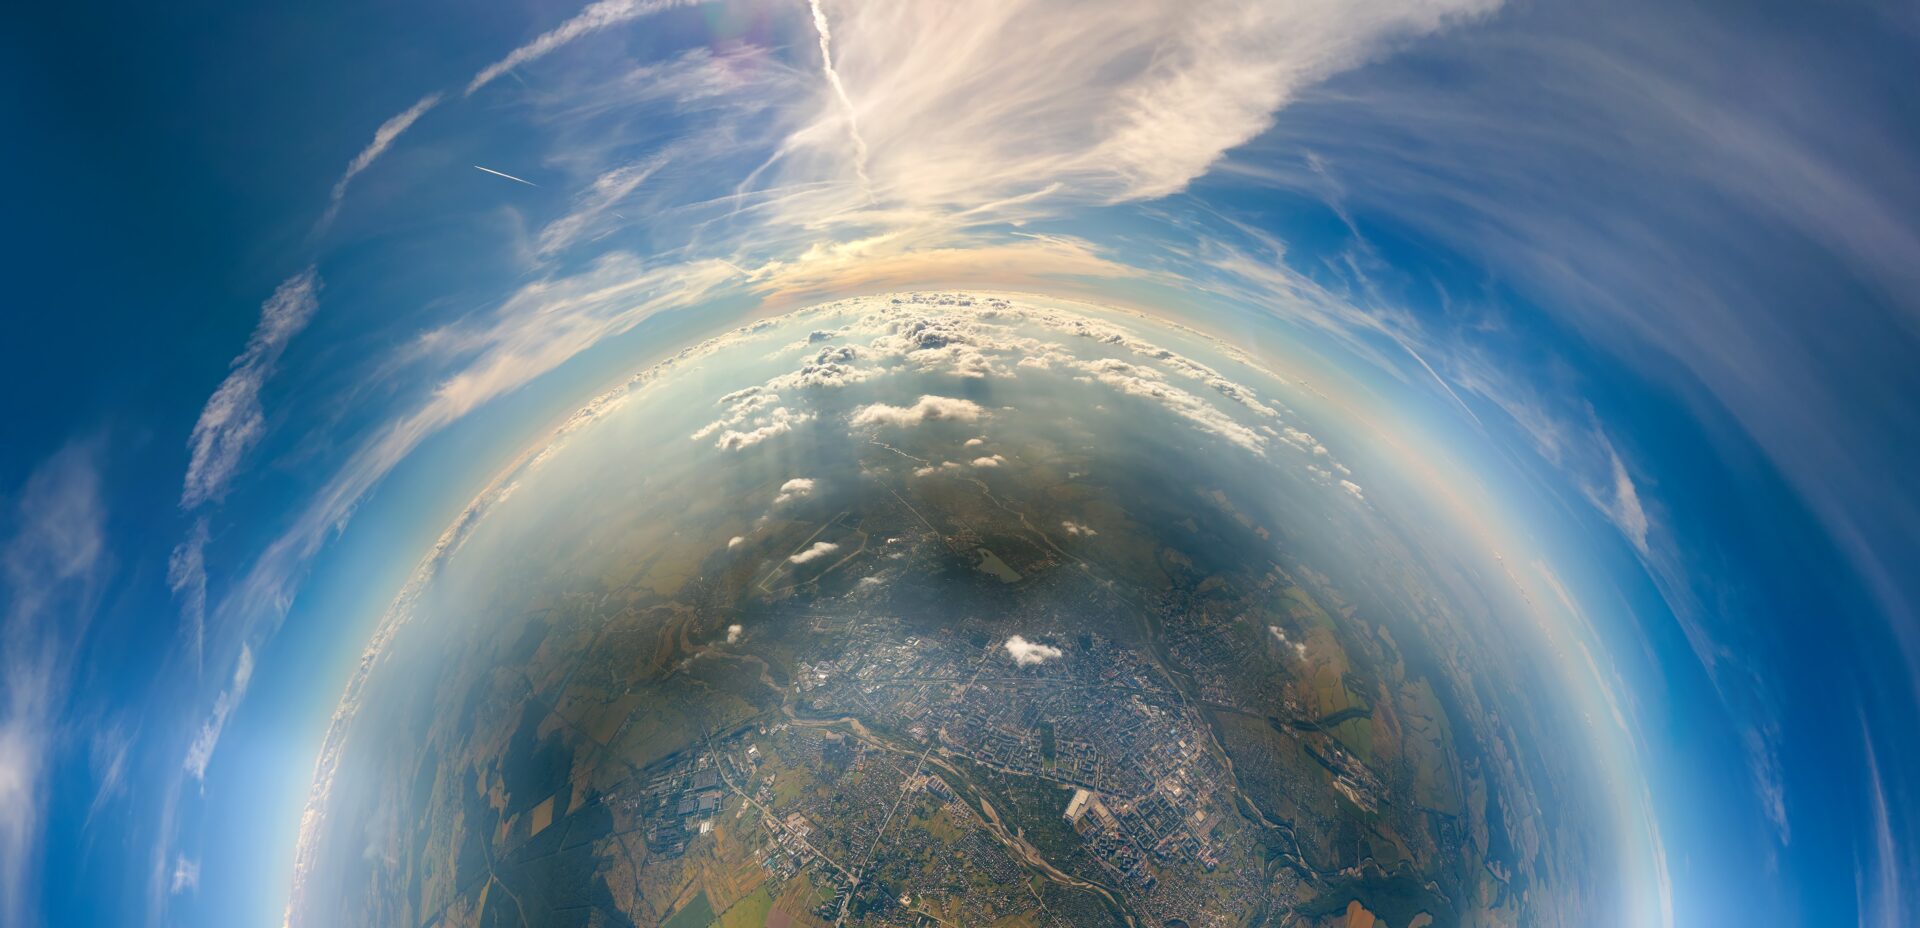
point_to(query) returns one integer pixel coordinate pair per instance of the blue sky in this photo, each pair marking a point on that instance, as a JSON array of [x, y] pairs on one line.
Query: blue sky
[[1643, 279]]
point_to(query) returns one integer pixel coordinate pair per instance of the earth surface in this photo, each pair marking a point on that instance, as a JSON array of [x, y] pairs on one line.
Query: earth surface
[[944, 609]]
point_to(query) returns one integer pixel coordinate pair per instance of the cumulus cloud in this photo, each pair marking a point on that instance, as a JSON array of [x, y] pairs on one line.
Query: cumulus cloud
[[817, 550], [936, 338], [797, 488], [979, 344], [1075, 528], [736, 541], [778, 421], [733, 634], [753, 415], [1299, 647], [1353, 489], [756, 414], [957, 334], [829, 367], [232, 421], [928, 408], [1029, 653]]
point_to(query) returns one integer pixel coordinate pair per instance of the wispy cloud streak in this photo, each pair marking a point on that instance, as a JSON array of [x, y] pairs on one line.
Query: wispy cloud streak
[[594, 18], [383, 139], [860, 154], [232, 421], [52, 565]]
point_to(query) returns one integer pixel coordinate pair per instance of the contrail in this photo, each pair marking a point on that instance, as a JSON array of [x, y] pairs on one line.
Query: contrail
[[840, 90], [506, 175]]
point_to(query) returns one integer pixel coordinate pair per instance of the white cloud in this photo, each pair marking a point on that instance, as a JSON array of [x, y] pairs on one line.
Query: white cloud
[[200, 752], [963, 335], [186, 875], [187, 578], [778, 421], [860, 154], [753, 415], [1028, 653], [594, 206], [928, 408], [742, 405], [736, 541], [52, 564], [593, 18], [956, 342], [980, 337], [797, 488], [1352, 489], [733, 634], [1625, 508], [1108, 334], [965, 341], [383, 138], [817, 550], [1569, 436], [1299, 647], [1142, 384], [1001, 109], [829, 367], [1880, 898], [1075, 528], [232, 422], [107, 751]]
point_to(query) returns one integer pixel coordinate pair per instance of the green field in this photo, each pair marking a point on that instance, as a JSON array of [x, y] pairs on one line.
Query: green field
[[695, 914]]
